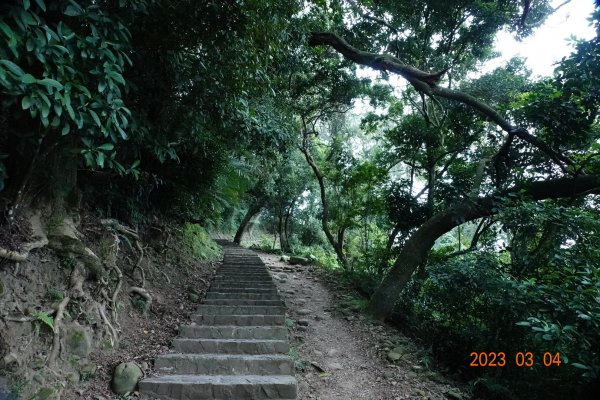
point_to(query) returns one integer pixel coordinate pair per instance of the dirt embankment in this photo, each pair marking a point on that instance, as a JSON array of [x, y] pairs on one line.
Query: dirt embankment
[[98, 294]]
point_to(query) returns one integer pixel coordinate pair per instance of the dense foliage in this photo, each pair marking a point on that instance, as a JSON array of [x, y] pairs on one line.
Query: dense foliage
[[477, 228]]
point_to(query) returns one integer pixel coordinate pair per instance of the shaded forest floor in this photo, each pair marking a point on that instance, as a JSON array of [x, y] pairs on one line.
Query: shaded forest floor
[[341, 354]]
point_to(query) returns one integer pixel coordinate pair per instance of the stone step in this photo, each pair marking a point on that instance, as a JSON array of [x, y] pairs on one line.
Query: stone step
[[241, 290], [243, 302], [211, 309], [217, 288], [244, 277], [242, 264], [231, 346], [240, 320], [249, 296], [258, 284], [247, 281], [224, 364], [219, 387], [244, 272], [233, 332]]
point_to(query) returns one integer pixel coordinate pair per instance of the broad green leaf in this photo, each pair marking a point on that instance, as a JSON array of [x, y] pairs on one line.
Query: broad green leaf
[[12, 38], [106, 147], [122, 133], [95, 118], [28, 79], [72, 11], [100, 159], [25, 102], [26, 4], [65, 130], [45, 110], [48, 82], [12, 67], [41, 4]]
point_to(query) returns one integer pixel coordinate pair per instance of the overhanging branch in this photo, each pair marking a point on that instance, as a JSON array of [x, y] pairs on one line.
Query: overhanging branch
[[428, 83]]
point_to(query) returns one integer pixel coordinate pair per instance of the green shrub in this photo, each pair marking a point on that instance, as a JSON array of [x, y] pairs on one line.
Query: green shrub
[[199, 242]]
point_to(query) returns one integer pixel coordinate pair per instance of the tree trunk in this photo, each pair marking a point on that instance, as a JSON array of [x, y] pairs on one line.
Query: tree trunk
[[420, 243], [252, 211], [338, 246]]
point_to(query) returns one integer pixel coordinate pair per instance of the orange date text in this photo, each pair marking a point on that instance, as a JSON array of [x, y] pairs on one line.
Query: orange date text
[[519, 359]]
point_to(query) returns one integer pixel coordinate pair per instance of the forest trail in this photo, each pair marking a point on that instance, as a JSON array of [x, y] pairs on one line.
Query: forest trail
[[344, 356]]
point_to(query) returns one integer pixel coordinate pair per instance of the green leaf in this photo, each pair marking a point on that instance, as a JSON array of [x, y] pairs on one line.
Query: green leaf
[[73, 10], [100, 159], [95, 118], [45, 318], [580, 366], [26, 4], [117, 77], [65, 130], [25, 102], [122, 133], [28, 79], [106, 147], [45, 110], [12, 38], [12, 67], [41, 4], [51, 83]]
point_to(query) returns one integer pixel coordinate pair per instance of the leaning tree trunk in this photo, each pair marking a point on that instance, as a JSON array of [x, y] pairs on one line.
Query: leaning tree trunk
[[252, 211], [420, 243]]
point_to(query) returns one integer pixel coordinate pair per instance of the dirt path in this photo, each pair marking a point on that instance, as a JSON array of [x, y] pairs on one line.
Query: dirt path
[[344, 356]]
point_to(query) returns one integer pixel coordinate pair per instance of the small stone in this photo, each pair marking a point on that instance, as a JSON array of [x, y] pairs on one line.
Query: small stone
[[46, 393], [318, 353], [78, 341], [303, 322], [126, 377], [393, 356], [302, 328], [304, 311], [335, 366]]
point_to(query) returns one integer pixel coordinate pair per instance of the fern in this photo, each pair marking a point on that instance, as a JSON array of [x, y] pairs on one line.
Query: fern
[[48, 320]]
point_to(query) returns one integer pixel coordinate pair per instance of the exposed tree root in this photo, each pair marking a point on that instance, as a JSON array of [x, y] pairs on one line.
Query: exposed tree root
[[22, 255], [113, 265], [60, 310], [143, 293], [122, 229], [113, 332]]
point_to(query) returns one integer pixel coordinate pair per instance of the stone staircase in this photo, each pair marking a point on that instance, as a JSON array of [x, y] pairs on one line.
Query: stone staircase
[[236, 346]]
